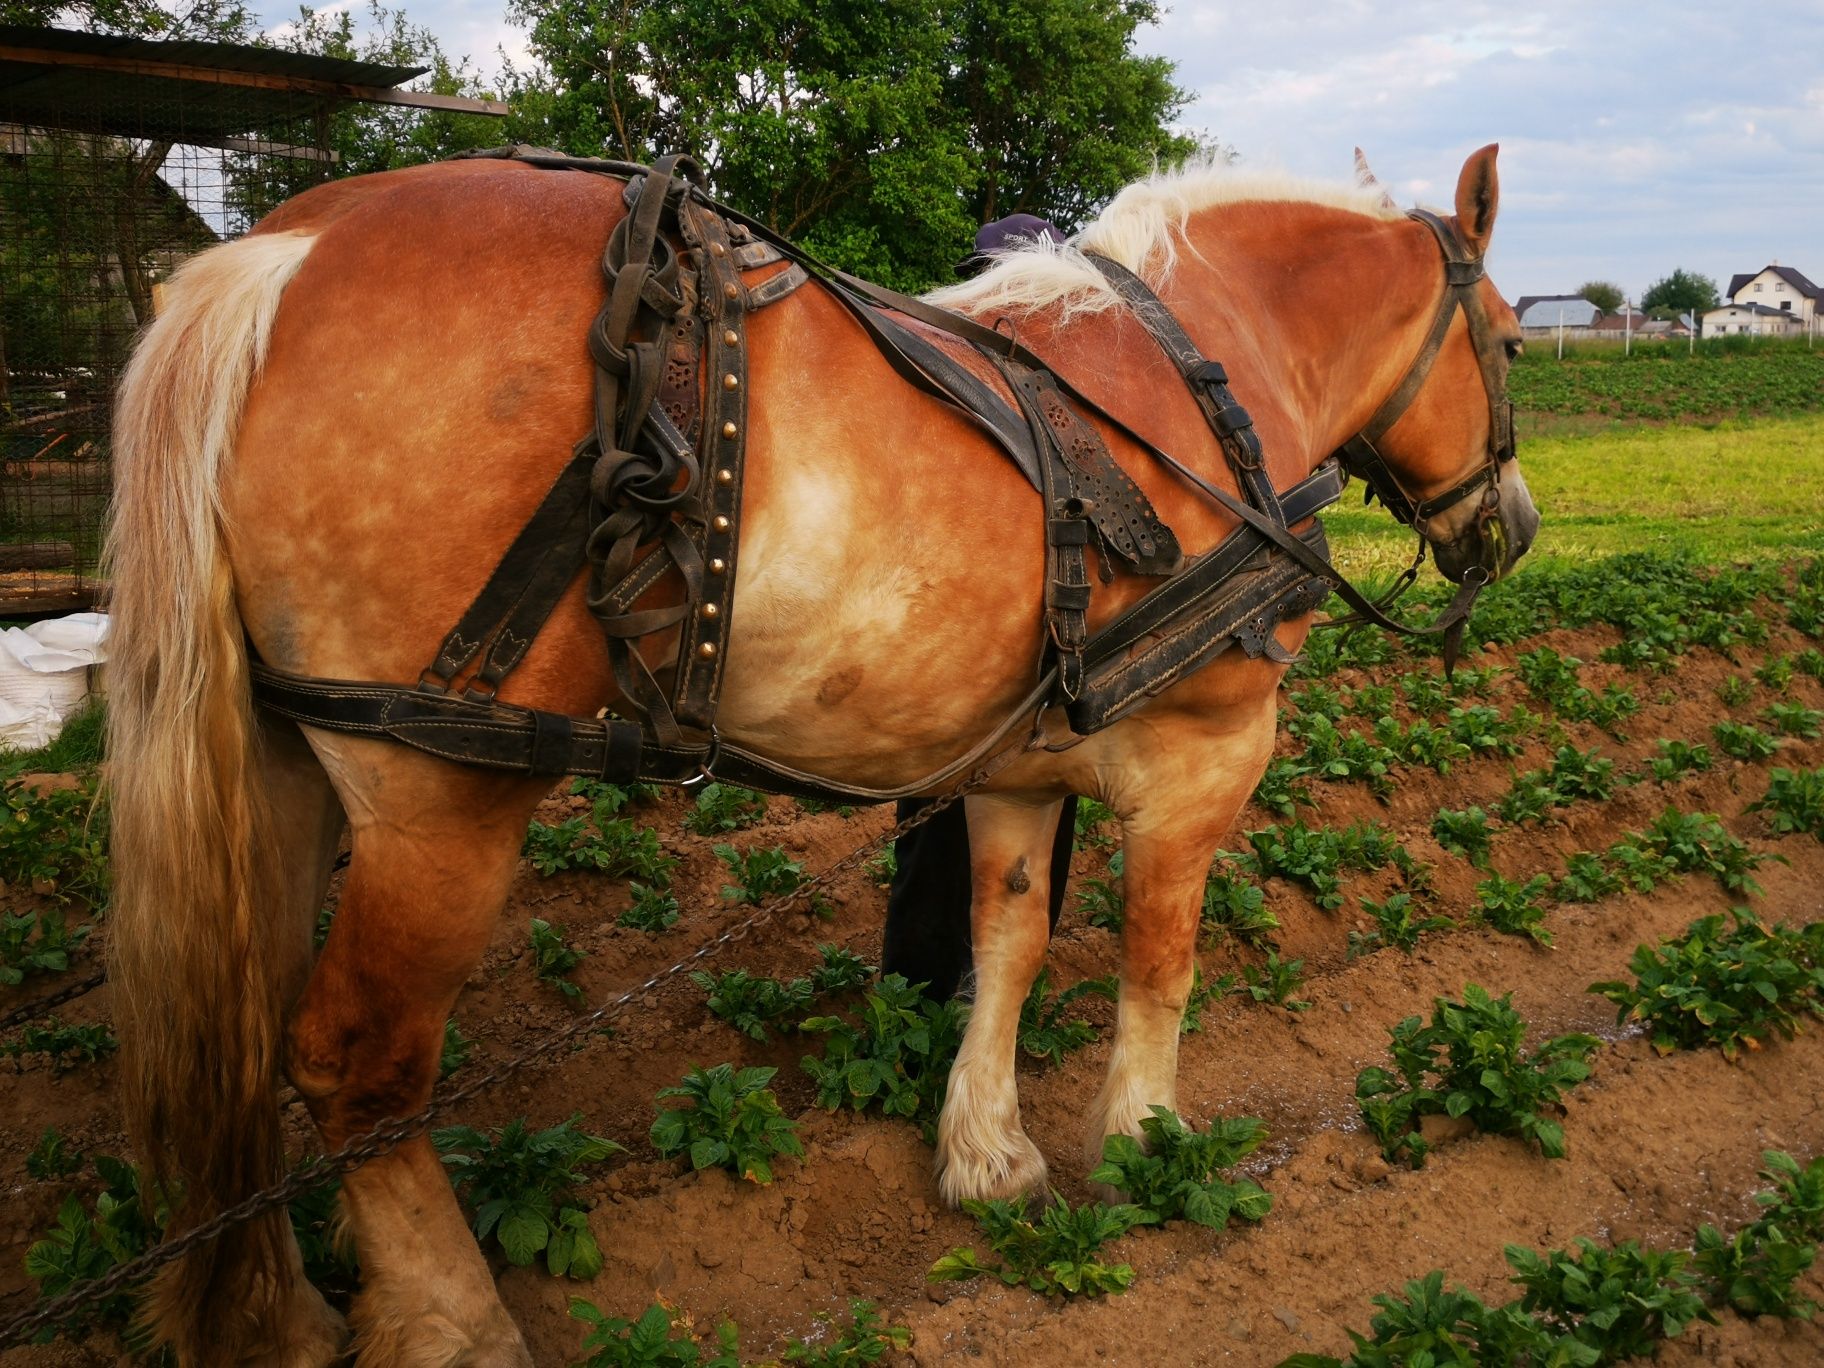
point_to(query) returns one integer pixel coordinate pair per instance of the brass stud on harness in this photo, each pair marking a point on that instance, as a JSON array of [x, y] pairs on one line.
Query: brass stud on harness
[[707, 650], [709, 610], [721, 523], [717, 565], [716, 249], [731, 381], [730, 337], [731, 290], [725, 475], [729, 429]]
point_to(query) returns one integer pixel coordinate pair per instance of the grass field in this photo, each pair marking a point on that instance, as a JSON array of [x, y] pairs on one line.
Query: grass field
[[1747, 490]]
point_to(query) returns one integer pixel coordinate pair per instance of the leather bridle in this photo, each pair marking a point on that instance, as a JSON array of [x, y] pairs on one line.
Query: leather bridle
[[1361, 456]]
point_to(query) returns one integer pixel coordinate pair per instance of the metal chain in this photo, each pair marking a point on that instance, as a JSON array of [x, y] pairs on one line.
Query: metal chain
[[389, 1134], [39, 1006]]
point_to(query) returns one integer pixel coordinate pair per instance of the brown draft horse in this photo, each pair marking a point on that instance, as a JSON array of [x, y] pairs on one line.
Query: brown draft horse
[[337, 424]]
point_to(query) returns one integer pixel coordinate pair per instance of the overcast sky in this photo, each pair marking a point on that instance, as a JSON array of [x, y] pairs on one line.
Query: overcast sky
[[1635, 136]]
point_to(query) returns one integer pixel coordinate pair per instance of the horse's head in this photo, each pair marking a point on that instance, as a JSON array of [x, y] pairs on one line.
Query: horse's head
[[1440, 449]]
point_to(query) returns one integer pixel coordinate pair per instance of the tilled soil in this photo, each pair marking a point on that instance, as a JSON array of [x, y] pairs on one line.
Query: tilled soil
[[1656, 1145]]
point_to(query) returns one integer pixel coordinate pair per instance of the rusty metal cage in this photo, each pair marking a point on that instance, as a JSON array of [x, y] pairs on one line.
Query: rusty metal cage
[[119, 158]]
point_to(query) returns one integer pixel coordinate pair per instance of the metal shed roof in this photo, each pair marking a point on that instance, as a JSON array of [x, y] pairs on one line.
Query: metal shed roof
[[184, 90]]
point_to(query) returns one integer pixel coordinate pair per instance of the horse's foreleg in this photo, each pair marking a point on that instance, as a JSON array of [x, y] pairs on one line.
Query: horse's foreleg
[[433, 855], [981, 1150], [1185, 807]]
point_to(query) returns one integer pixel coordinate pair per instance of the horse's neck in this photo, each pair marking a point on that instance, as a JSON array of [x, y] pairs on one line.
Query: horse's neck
[[1316, 313]]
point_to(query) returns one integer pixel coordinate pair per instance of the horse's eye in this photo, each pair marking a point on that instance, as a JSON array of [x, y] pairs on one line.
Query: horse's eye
[[1514, 347]]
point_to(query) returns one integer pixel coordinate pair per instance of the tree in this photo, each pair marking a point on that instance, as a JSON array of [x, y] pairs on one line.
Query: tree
[[1681, 292], [879, 135], [1604, 294]]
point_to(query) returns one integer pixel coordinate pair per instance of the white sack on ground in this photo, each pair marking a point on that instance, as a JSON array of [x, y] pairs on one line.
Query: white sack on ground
[[44, 676]]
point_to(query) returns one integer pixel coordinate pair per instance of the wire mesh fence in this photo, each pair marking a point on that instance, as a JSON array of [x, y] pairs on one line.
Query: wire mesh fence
[[110, 178]]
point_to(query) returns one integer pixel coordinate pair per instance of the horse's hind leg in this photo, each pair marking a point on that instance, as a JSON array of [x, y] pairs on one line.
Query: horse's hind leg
[[308, 821], [981, 1150], [1184, 798], [434, 851]]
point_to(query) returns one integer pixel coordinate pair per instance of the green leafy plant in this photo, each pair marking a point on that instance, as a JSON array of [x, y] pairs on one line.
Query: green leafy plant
[[63, 1046], [896, 1057], [1585, 879], [1275, 980], [1201, 997], [1102, 900], [732, 1122], [1174, 1171], [36, 942], [1514, 907], [1054, 1252], [1318, 856], [613, 846], [1236, 906], [884, 867], [1046, 1032], [1470, 1061], [52, 1157], [1729, 986], [1397, 922], [553, 959], [55, 842], [759, 874], [1484, 731], [1089, 823], [1775, 673], [749, 1004], [1743, 741], [866, 1339], [518, 1184], [1794, 719], [1734, 691], [1463, 834], [455, 1052], [1679, 757], [724, 807], [1794, 801], [1431, 1325], [652, 909], [1282, 788], [658, 1339], [1756, 1270], [1697, 843], [1619, 1302], [88, 1243]]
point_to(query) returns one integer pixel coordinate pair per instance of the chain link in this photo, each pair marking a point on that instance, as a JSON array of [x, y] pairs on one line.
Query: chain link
[[388, 1134], [37, 1007]]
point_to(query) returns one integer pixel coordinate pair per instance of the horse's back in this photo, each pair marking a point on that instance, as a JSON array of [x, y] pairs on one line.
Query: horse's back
[[427, 378]]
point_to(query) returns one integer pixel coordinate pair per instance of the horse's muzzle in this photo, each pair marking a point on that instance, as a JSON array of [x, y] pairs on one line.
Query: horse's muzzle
[[1494, 539]]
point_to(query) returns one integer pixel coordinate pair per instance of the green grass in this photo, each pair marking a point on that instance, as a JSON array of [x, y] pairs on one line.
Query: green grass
[[77, 747], [1740, 490]]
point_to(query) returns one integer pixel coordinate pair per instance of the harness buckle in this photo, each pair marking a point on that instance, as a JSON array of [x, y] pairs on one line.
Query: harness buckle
[[708, 763]]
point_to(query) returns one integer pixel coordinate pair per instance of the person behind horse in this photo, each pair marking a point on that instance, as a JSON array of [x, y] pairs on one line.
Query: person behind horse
[[927, 938]]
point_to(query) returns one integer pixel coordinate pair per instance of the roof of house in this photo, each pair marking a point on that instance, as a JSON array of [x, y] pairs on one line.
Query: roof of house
[[1796, 279], [1546, 311], [1757, 309]]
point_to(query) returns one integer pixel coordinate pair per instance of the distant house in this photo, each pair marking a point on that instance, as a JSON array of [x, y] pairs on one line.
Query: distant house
[[1753, 320], [1777, 289]]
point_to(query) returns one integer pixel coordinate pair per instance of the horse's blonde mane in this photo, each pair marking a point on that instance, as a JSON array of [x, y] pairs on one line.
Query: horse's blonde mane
[[1141, 229]]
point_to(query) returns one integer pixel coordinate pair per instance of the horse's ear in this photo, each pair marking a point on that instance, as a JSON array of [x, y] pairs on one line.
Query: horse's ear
[[1478, 195], [1365, 177]]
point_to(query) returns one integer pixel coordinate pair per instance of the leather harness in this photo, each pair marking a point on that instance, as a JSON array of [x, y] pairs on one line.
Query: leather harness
[[651, 497]]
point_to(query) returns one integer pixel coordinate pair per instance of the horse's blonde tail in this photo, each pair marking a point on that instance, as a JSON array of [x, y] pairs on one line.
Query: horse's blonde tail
[[195, 961]]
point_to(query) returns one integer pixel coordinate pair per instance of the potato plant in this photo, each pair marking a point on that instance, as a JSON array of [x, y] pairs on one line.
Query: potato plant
[[553, 958], [36, 942], [750, 1004], [1236, 906], [760, 874], [1470, 1061], [55, 843], [88, 1241], [1731, 986], [1513, 907], [1274, 981], [724, 807], [1175, 1171], [519, 1184], [1046, 1031], [1619, 1302], [1794, 802], [652, 909], [52, 1157], [894, 1057], [63, 1046], [1054, 1252], [1397, 923], [732, 1121], [660, 1338]]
